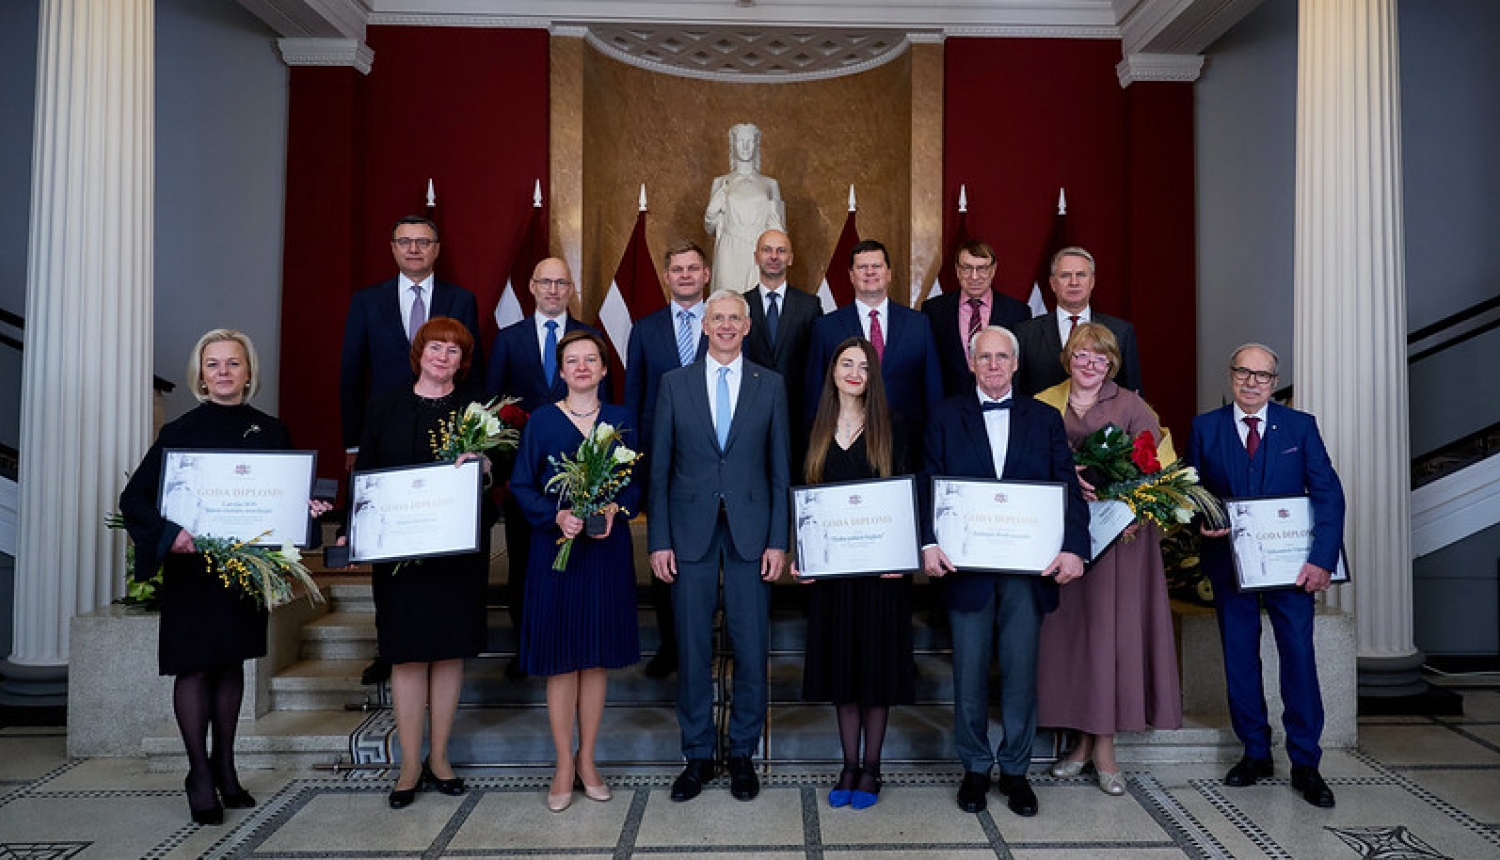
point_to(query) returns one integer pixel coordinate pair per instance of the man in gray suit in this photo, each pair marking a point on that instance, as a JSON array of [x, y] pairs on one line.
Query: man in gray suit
[[718, 504]]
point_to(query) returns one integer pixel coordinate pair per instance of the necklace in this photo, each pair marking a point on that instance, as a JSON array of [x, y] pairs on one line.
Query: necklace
[[579, 414]]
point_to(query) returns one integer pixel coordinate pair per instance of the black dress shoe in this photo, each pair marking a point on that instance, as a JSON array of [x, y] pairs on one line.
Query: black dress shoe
[[743, 783], [1248, 772], [1314, 790], [241, 799], [661, 666], [210, 815], [400, 798], [973, 790], [451, 787], [1022, 800], [689, 784]]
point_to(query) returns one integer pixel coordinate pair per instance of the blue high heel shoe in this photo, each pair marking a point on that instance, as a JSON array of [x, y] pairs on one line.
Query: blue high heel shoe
[[866, 799], [841, 797]]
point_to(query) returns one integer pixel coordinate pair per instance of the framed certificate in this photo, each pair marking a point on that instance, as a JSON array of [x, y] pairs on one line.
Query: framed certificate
[[258, 496], [1270, 538], [1108, 519], [414, 511], [1007, 526], [857, 528]]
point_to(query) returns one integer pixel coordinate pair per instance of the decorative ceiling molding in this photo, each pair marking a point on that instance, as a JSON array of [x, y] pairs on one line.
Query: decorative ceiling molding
[[301, 19], [326, 52], [1175, 68], [1177, 26], [748, 54]]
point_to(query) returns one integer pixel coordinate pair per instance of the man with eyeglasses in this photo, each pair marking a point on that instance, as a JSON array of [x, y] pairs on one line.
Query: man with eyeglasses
[[1255, 448], [523, 363], [1072, 282], [383, 319], [957, 316], [660, 341]]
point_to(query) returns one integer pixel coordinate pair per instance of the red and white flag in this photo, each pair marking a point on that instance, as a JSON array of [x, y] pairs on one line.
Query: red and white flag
[[634, 292], [1056, 242], [515, 301], [836, 290], [948, 272]]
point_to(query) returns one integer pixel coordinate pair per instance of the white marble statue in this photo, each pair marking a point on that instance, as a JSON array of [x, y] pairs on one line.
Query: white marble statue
[[742, 205]]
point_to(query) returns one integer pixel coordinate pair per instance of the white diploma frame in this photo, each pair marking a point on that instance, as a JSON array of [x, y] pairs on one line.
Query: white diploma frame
[[1108, 519], [414, 512], [857, 528], [1005, 526], [258, 496], [1270, 538]]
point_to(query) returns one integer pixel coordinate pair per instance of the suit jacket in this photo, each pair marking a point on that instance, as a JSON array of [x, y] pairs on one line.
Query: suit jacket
[[942, 314], [957, 445], [692, 478], [376, 353], [788, 356], [515, 367], [652, 351], [1291, 460], [913, 380], [1041, 345]]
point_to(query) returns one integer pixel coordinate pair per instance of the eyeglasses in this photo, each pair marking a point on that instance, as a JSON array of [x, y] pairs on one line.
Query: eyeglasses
[[552, 283], [420, 242], [1089, 359], [964, 269], [1245, 374]]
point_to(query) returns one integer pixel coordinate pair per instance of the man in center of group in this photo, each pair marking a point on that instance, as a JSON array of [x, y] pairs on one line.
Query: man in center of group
[[990, 433], [718, 505], [958, 316]]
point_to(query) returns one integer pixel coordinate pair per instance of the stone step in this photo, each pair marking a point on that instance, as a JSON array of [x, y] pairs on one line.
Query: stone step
[[339, 636], [280, 739], [320, 685], [351, 595]]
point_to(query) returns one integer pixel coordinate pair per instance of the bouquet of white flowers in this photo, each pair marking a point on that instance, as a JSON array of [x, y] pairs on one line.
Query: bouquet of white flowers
[[590, 480]]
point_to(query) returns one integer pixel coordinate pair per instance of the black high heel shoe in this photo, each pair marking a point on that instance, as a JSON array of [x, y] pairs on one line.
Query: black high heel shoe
[[209, 816], [239, 798], [451, 787]]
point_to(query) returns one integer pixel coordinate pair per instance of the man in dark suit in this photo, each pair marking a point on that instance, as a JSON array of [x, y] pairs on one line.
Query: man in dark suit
[[523, 364], [1042, 337], [661, 341], [781, 321], [991, 434], [1250, 448], [956, 317], [902, 338], [383, 318], [718, 505]]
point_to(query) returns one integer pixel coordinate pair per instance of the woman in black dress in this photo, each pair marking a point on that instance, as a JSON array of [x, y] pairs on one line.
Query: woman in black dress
[[207, 630], [581, 621], [430, 614], [859, 636]]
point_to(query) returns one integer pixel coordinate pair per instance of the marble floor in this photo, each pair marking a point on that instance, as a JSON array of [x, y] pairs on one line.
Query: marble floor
[[1416, 787]]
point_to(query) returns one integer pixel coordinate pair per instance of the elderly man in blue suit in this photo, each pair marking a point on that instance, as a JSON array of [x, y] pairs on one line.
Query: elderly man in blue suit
[[382, 320], [1250, 448], [718, 506], [909, 363], [992, 433], [523, 364], [664, 340]]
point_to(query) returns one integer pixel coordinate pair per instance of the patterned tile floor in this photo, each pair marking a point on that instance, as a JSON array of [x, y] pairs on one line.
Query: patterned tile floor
[[1416, 787]]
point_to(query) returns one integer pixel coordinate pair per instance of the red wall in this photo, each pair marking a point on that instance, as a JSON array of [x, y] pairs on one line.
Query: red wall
[[467, 108]]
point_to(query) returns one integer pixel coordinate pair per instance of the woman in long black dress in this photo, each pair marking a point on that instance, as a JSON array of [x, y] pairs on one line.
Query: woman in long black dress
[[430, 614], [859, 636], [207, 630], [578, 622]]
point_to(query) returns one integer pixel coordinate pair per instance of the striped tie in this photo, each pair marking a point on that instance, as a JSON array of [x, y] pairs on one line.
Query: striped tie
[[685, 345]]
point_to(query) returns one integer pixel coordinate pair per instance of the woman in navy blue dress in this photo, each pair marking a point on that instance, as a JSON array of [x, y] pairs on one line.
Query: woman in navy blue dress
[[581, 621]]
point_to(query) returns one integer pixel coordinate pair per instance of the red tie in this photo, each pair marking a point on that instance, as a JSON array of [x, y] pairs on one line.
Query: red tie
[[877, 339], [1072, 323], [976, 320], [1252, 439]]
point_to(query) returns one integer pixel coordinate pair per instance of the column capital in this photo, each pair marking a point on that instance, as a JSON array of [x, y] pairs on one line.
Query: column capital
[[326, 52], [1169, 68]]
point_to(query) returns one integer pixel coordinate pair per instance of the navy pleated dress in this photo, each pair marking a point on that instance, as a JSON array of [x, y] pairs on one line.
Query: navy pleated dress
[[583, 617]]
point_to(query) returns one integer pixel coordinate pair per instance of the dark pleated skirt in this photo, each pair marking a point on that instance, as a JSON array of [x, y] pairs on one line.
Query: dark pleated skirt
[[583, 617]]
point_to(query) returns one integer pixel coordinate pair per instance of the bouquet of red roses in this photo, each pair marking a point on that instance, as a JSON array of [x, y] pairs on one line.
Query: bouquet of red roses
[[1127, 469]]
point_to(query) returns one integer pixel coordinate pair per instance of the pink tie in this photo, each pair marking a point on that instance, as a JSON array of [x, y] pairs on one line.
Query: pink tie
[[877, 339], [1252, 439]]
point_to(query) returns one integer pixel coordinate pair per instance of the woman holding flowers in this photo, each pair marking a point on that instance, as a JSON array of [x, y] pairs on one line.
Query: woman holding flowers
[[429, 614], [572, 479], [1108, 662], [209, 627]]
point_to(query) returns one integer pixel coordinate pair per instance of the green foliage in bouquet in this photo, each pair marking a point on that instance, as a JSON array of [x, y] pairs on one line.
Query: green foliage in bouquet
[[590, 480]]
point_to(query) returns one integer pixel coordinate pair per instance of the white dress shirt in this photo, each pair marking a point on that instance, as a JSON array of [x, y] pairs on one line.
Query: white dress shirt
[[997, 428], [540, 320], [736, 375], [407, 298], [1243, 429], [1065, 325], [885, 318]]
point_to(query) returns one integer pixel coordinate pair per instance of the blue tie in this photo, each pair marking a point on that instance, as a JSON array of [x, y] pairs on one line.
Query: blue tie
[[721, 406], [549, 353], [685, 344], [773, 316]]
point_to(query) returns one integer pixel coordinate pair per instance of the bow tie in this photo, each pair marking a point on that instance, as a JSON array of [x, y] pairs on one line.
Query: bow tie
[[988, 405]]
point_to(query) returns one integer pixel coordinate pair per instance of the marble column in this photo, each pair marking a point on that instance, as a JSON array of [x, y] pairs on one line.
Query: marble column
[[86, 379], [1350, 312]]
